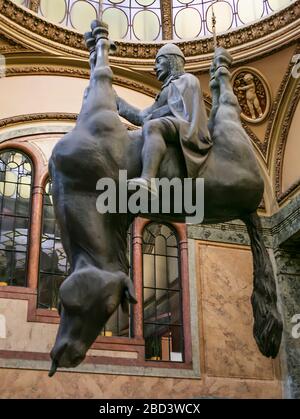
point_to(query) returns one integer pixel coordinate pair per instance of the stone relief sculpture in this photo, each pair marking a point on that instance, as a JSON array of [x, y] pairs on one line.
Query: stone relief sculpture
[[185, 144], [253, 94]]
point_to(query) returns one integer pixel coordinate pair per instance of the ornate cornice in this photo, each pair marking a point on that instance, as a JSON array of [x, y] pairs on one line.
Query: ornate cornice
[[9, 46], [37, 117], [280, 120], [50, 116], [280, 194], [274, 32]]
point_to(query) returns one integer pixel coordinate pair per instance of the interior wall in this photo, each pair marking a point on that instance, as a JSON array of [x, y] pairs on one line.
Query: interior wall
[[26, 95]]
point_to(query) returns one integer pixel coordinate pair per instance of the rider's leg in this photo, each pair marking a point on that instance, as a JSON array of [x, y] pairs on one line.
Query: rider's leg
[[251, 109], [155, 133], [258, 107]]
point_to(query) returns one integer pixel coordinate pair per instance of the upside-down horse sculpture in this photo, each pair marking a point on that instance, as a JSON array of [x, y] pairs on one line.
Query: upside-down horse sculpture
[[96, 243]]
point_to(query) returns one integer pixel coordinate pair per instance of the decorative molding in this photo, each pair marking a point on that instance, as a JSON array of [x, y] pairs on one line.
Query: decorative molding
[[279, 98], [280, 194], [279, 123], [9, 46], [34, 5], [166, 17], [51, 116], [274, 32], [41, 69], [23, 119], [63, 70]]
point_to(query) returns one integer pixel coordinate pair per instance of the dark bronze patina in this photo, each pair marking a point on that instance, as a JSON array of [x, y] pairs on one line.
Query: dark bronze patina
[[176, 140]]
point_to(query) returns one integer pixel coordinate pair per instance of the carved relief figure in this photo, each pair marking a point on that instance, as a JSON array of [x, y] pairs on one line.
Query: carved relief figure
[[253, 94]]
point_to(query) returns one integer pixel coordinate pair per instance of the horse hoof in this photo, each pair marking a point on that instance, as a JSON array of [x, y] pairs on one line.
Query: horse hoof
[[90, 41], [222, 58], [95, 24], [222, 71]]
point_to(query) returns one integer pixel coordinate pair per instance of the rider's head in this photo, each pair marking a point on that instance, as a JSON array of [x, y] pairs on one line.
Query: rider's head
[[169, 60]]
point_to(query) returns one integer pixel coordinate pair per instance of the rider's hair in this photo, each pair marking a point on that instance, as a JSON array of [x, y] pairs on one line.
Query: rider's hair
[[176, 63]]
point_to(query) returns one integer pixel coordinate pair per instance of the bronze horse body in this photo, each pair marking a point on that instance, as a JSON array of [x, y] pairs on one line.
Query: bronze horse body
[[96, 244]]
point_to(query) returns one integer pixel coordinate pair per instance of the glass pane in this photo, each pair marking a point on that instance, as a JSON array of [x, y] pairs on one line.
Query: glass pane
[[82, 14], [145, 2], [146, 25], [48, 290], [175, 307], [250, 11], [161, 274], [117, 21], [224, 16], [15, 200], [54, 10], [188, 23], [162, 304], [278, 4], [149, 276]]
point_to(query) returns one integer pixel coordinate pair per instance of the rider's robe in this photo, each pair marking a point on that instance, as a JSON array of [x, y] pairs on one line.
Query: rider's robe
[[181, 102]]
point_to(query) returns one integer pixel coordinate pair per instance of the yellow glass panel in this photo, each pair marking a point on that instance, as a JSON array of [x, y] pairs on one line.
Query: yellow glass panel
[[250, 11], [117, 22], [223, 14], [116, 1], [19, 2], [82, 14], [24, 187], [145, 2], [10, 188], [188, 23], [54, 10], [185, 1], [146, 26], [279, 4]]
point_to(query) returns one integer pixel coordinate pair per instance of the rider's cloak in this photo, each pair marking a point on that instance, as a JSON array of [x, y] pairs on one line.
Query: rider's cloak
[[185, 101]]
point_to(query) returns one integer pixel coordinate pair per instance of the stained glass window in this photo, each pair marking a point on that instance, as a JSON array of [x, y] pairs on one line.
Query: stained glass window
[[163, 323], [141, 20], [15, 206]]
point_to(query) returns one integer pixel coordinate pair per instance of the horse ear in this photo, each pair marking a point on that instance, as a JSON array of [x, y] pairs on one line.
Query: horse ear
[[128, 294]]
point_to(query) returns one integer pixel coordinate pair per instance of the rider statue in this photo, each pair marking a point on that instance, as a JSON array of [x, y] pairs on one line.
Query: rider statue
[[177, 116]]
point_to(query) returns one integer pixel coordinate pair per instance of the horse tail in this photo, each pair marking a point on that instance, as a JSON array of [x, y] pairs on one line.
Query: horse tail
[[267, 329]]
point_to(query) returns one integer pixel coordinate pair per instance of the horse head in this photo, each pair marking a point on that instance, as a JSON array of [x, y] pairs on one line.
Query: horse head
[[88, 297]]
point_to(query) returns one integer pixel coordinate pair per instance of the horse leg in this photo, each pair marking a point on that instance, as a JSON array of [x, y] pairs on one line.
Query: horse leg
[[215, 93], [267, 329], [229, 109]]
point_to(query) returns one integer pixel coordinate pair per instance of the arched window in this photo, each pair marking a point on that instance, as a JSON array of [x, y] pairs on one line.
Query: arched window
[[53, 261], [162, 294], [54, 268], [15, 205]]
